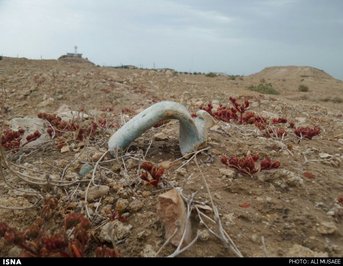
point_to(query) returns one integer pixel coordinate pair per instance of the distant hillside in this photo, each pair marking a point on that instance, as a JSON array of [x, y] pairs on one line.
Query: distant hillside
[[291, 72]]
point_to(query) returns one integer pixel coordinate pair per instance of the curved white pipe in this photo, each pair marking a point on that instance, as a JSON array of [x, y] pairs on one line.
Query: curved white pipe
[[193, 132]]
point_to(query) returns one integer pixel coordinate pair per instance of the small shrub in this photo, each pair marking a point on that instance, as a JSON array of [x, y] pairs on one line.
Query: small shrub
[[303, 88], [335, 99], [265, 88], [211, 75]]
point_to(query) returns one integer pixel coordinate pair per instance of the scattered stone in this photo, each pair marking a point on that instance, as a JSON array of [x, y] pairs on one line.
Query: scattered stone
[[218, 196], [215, 128], [165, 164], [172, 212], [255, 104], [227, 172], [160, 136], [96, 156], [65, 149], [136, 205], [340, 141], [70, 115], [284, 177], [85, 169], [14, 252], [114, 231], [131, 164], [143, 234], [46, 102], [146, 193], [301, 251], [181, 172], [148, 251], [327, 228], [216, 152], [268, 199], [199, 103], [300, 120], [116, 167], [204, 235], [269, 114], [324, 155], [122, 205], [97, 192], [255, 238]]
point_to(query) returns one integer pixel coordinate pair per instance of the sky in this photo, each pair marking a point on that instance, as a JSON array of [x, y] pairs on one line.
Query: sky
[[229, 36]]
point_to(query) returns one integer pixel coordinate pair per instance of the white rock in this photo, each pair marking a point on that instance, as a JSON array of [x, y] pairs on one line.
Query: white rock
[[136, 205], [172, 212], [14, 252], [215, 128], [199, 103], [300, 120], [97, 192], [327, 228], [148, 251], [204, 235], [324, 155], [160, 136], [182, 172], [65, 149], [30, 125], [114, 231], [70, 115], [227, 172], [283, 177], [96, 156], [46, 102], [255, 104], [122, 205], [269, 114], [301, 251]]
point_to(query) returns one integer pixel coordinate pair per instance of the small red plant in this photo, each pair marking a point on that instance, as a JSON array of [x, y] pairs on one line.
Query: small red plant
[[309, 175], [240, 107], [38, 241], [222, 113], [248, 164], [245, 164], [10, 139], [307, 132], [105, 252], [32, 137], [279, 121], [244, 205], [268, 164], [154, 171], [225, 114], [340, 200], [59, 127], [275, 132]]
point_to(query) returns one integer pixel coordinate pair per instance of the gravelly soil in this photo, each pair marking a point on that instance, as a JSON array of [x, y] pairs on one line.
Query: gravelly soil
[[280, 212]]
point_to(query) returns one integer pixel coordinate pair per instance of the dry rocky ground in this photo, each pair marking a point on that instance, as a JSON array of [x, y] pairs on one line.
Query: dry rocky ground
[[280, 212]]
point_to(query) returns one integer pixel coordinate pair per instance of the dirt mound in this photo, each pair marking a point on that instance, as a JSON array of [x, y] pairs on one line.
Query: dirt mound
[[291, 72]]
